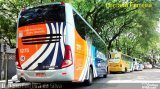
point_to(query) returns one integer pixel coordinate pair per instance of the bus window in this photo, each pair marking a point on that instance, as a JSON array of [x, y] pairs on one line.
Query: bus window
[[80, 25], [41, 14]]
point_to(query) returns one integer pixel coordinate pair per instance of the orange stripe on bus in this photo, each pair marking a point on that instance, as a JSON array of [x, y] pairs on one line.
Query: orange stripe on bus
[[80, 56], [28, 50]]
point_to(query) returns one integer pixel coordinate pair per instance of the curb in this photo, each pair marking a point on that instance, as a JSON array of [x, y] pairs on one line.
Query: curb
[[3, 81]]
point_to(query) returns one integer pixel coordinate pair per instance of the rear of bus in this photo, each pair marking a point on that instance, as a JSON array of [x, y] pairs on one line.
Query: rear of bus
[[43, 54], [115, 62]]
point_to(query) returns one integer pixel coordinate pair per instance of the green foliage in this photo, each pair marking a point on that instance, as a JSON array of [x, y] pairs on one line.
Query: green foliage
[[131, 29]]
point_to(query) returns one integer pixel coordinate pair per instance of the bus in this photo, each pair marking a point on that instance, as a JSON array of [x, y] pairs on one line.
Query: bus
[[55, 43], [120, 63]]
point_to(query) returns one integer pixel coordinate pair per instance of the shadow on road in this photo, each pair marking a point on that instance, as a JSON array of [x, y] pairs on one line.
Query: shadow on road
[[59, 85]]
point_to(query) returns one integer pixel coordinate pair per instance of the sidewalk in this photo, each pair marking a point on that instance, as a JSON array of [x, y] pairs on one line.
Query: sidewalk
[[3, 81]]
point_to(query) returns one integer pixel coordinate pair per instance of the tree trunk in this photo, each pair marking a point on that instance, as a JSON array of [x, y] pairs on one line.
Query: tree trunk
[[2, 67]]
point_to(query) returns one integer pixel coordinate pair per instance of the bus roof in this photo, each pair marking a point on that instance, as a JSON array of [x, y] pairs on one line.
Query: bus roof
[[44, 5]]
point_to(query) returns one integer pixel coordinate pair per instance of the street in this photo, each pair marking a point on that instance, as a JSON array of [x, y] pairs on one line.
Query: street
[[146, 79]]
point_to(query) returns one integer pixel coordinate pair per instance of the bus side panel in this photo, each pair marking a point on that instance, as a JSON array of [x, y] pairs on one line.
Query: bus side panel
[[94, 61], [101, 63], [123, 65], [70, 35], [129, 65], [80, 61], [78, 45]]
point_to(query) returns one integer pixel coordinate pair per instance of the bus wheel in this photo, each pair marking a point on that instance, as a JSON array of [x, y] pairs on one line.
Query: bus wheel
[[90, 80], [22, 80], [105, 76]]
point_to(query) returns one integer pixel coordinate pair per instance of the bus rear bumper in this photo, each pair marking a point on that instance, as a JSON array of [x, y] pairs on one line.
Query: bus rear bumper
[[116, 69], [65, 74]]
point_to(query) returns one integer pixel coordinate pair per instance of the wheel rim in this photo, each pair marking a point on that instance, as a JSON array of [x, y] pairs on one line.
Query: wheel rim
[[90, 77]]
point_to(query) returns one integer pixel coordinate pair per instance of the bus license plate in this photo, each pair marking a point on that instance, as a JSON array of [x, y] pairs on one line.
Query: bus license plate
[[40, 74]]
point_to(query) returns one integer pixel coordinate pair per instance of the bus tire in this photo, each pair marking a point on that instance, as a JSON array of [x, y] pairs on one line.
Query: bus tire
[[105, 75], [125, 70], [90, 80], [22, 80]]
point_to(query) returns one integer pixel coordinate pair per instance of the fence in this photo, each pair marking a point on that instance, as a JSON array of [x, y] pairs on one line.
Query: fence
[[11, 65]]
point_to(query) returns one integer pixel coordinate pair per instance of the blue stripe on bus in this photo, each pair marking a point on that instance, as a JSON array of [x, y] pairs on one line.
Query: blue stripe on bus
[[46, 63], [59, 56], [40, 54], [64, 25], [59, 26]]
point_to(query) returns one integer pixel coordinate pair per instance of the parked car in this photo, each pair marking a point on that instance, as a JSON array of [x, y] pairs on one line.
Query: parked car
[[140, 66], [15, 79], [147, 65], [136, 67], [157, 65]]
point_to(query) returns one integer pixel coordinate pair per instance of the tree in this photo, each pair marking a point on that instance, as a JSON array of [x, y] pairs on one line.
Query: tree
[[126, 28], [110, 23]]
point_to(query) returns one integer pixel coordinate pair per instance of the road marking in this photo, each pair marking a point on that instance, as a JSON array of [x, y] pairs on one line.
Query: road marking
[[133, 81]]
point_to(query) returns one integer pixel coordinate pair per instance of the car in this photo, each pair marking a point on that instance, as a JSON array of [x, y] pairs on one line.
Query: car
[[157, 66], [136, 67], [147, 65], [15, 79], [140, 66]]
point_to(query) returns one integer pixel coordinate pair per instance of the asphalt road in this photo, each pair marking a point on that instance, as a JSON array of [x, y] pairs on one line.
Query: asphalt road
[[146, 79]]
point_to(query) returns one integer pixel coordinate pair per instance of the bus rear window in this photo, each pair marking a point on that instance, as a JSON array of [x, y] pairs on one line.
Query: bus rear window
[[42, 14]]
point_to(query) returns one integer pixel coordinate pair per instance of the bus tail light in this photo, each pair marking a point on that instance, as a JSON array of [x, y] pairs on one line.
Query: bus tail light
[[17, 60], [67, 61], [62, 3]]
